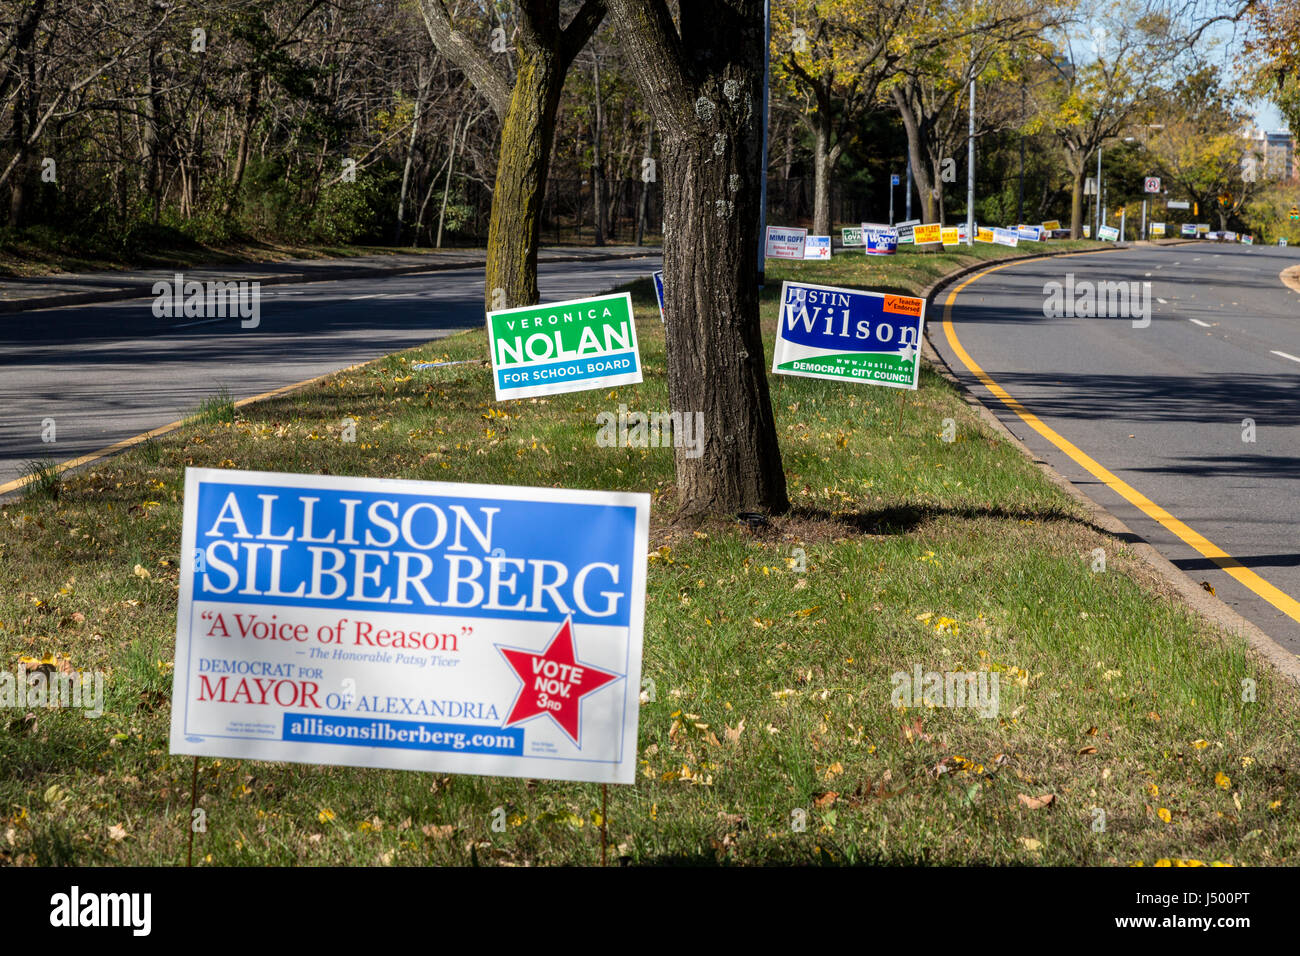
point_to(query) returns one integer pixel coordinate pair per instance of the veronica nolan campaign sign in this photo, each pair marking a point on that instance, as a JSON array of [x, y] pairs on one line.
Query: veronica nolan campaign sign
[[849, 335], [564, 347], [414, 625]]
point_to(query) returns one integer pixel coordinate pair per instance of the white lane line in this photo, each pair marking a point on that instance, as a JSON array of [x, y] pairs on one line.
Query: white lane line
[[1162, 301], [1204, 325], [1286, 355], [373, 295]]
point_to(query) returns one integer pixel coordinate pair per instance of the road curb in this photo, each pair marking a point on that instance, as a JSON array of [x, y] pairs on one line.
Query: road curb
[[144, 289], [1191, 594]]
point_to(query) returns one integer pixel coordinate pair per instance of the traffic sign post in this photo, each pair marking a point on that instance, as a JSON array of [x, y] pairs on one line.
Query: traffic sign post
[[893, 182]]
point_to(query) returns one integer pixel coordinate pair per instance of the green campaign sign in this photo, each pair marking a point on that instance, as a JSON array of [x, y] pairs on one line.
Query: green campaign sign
[[852, 235], [564, 347]]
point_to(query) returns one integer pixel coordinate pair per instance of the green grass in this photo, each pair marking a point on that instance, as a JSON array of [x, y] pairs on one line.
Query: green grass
[[44, 479], [901, 550], [213, 410]]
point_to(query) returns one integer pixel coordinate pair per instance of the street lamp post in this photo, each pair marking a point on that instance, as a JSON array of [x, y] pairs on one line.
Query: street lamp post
[[1096, 228], [970, 165]]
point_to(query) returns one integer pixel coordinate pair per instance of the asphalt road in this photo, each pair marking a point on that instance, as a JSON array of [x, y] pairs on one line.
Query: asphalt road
[[109, 371], [1161, 407]]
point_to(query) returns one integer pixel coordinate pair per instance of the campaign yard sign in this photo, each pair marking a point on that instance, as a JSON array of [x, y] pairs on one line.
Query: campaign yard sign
[[1006, 237], [1108, 233], [785, 242], [983, 234], [564, 347], [852, 236], [906, 231], [1051, 225], [1157, 230], [817, 247], [1030, 233], [931, 232], [413, 625], [658, 278], [1188, 229], [950, 235], [849, 335]]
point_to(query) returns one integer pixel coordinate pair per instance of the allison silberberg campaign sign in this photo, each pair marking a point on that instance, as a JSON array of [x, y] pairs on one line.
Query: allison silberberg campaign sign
[[848, 335], [457, 628], [564, 347]]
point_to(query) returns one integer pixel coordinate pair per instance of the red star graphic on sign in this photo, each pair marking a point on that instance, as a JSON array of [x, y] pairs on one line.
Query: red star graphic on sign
[[554, 682]]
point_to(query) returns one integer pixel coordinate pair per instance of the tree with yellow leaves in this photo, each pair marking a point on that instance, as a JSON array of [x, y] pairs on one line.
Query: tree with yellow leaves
[[1200, 147], [991, 41], [1099, 92], [1275, 46], [829, 59]]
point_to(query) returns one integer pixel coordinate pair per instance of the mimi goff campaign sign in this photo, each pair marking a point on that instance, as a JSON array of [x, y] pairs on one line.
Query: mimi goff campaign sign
[[846, 334], [564, 347], [413, 625]]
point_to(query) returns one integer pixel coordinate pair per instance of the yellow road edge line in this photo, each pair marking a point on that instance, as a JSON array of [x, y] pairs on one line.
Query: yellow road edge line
[[126, 443], [1194, 539]]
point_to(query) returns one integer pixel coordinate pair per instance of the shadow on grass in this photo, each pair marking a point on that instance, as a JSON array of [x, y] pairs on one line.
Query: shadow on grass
[[904, 519]]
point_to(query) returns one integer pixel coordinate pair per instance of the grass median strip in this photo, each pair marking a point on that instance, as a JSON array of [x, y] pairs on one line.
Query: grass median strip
[[1076, 715]]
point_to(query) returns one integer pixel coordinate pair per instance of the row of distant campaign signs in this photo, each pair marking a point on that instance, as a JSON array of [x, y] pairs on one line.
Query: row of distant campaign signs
[[784, 242], [460, 628]]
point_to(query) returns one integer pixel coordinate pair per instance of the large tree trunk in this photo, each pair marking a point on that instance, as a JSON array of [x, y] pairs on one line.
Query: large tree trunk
[[643, 210], [252, 107], [1078, 175], [152, 106], [526, 109], [823, 169], [705, 85], [514, 231], [918, 157], [598, 199]]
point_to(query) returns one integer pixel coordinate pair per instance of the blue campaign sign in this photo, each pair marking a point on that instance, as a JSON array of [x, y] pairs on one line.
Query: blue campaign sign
[[412, 625], [658, 278], [849, 335]]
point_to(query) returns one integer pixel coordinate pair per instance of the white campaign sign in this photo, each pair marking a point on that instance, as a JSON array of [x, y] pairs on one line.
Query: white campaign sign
[[785, 242], [413, 625]]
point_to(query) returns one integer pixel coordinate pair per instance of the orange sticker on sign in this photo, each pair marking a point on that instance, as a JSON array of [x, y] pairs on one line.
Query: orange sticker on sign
[[903, 305]]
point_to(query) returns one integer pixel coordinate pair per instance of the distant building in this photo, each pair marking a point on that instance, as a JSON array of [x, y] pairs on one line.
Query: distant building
[[1277, 150]]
